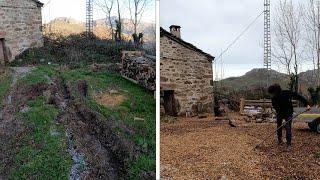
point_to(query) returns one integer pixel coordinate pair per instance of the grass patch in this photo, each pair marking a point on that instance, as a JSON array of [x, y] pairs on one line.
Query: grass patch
[[140, 103], [5, 83], [143, 163], [40, 74], [45, 157], [40, 151], [317, 155], [43, 153]]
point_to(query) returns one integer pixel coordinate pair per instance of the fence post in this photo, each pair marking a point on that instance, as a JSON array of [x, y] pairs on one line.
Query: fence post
[[242, 101]]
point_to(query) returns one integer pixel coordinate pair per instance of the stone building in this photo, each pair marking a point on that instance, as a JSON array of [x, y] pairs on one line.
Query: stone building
[[20, 27], [186, 80]]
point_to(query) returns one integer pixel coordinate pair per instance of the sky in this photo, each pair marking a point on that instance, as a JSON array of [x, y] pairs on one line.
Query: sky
[[212, 25], [76, 9]]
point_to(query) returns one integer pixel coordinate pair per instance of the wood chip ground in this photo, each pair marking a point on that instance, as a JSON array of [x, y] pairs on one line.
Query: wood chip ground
[[209, 149]]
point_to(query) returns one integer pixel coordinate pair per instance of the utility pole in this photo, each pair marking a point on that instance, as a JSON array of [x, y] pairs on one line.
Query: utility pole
[[89, 17], [267, 39], [318, 44]]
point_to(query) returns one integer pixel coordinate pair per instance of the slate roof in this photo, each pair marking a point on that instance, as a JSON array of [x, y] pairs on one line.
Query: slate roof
[[163, 32], [40, 4]]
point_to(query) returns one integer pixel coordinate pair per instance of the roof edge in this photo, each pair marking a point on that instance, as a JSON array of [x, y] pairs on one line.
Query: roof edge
[[39, 4], [185, 44]]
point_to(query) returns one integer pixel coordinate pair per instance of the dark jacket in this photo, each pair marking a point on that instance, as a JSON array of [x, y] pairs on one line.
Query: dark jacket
[[282, 103]]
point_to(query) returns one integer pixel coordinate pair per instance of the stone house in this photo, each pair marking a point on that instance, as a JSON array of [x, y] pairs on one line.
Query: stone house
[[186, 80], [20, 27]]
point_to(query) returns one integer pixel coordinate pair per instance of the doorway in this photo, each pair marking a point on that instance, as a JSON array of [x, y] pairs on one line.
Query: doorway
[[170, 104], [3, 55]]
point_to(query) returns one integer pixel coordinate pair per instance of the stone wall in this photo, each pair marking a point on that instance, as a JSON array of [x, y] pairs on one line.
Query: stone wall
[[189, 74], [20, 25]]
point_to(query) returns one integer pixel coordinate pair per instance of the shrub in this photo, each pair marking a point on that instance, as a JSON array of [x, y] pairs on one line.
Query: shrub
[[75, 49]]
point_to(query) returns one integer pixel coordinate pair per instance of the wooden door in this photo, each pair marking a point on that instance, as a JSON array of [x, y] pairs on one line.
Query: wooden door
[[170, 105]]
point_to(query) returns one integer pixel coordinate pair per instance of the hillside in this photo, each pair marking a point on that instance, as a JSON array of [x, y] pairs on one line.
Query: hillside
[[66, 26], [256, 79]]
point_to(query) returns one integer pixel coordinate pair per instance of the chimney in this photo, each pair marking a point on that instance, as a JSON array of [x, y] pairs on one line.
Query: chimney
[[175, 30]]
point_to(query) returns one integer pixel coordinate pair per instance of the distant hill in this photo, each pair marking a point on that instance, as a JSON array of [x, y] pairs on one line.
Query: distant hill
[[256, 78], [67, 26]]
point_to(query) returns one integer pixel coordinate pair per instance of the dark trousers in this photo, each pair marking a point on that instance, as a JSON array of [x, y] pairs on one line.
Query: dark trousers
[[287, 127]]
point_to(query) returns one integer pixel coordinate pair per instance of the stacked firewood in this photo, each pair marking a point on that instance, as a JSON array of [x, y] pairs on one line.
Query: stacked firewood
[[140, 68]]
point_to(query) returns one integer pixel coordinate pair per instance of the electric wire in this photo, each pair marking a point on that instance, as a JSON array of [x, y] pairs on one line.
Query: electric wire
[[240, 35]]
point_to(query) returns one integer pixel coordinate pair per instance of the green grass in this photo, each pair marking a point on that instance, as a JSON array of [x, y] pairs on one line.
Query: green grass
[[42, 151], [317, 155], [144, 107], [39, 75], [42, 154], [5, 83]]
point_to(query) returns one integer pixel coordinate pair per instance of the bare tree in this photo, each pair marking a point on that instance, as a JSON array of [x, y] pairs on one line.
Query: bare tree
[[106, 6], [288, 35], [282, 50], [118, 34], [137, 8], [312, 24]]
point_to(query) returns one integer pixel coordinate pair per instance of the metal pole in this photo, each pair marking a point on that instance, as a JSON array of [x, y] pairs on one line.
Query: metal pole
[[318, 44], [89, 17], [267, 39]]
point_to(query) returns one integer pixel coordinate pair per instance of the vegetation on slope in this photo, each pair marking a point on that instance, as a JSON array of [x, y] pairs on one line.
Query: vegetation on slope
[[75, 50], [5, 81], [253, 84], [40, 150], [138, 103]]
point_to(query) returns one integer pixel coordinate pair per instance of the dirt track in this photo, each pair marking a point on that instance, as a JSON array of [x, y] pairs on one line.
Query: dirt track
[[208, 149], [106, 151]]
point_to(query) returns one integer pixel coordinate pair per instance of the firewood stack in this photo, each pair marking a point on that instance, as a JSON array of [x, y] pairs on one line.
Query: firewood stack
[[140, 68]]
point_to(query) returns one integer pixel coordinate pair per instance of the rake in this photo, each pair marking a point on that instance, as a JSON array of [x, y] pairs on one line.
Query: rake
[[264, 140]]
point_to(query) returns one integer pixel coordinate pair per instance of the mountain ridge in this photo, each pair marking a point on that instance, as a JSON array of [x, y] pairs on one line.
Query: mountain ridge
[[256, 78], [66, 26]]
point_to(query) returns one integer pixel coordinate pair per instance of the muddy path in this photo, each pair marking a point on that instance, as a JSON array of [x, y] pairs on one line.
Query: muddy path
[[95, 144], [10, 126], [93, 136], [7, 109], [207, 149]]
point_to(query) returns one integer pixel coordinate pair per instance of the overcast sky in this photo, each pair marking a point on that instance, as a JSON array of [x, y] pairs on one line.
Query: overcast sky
[[76, 9], [212, 25]]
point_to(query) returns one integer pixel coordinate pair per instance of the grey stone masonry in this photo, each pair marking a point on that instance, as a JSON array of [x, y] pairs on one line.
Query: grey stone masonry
[[187, 71], [20, 26]]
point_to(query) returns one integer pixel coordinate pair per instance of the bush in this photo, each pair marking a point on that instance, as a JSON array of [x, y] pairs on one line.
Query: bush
[[75, 49]]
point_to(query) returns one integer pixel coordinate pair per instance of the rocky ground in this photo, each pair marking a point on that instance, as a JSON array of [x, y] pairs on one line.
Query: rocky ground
[[211, 149]]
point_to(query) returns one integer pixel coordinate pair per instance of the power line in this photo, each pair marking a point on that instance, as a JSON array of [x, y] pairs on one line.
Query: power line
[[240, 35], [47, 3]]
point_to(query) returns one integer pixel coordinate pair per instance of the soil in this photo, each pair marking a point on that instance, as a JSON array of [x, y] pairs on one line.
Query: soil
[[106, 151], [211, 149], [11, 128], [91, 137], [110, 100]]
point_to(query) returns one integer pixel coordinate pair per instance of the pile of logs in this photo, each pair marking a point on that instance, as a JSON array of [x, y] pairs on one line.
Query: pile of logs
[[139, 68]]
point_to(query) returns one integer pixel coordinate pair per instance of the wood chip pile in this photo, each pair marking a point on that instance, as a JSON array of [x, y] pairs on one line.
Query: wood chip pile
[[140, 68], [210, 149]]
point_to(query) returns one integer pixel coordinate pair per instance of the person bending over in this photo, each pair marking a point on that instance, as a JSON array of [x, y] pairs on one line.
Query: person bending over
[[282, 103]]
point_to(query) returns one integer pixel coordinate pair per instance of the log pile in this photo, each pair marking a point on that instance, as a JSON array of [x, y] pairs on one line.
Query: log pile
[[140, 68]]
